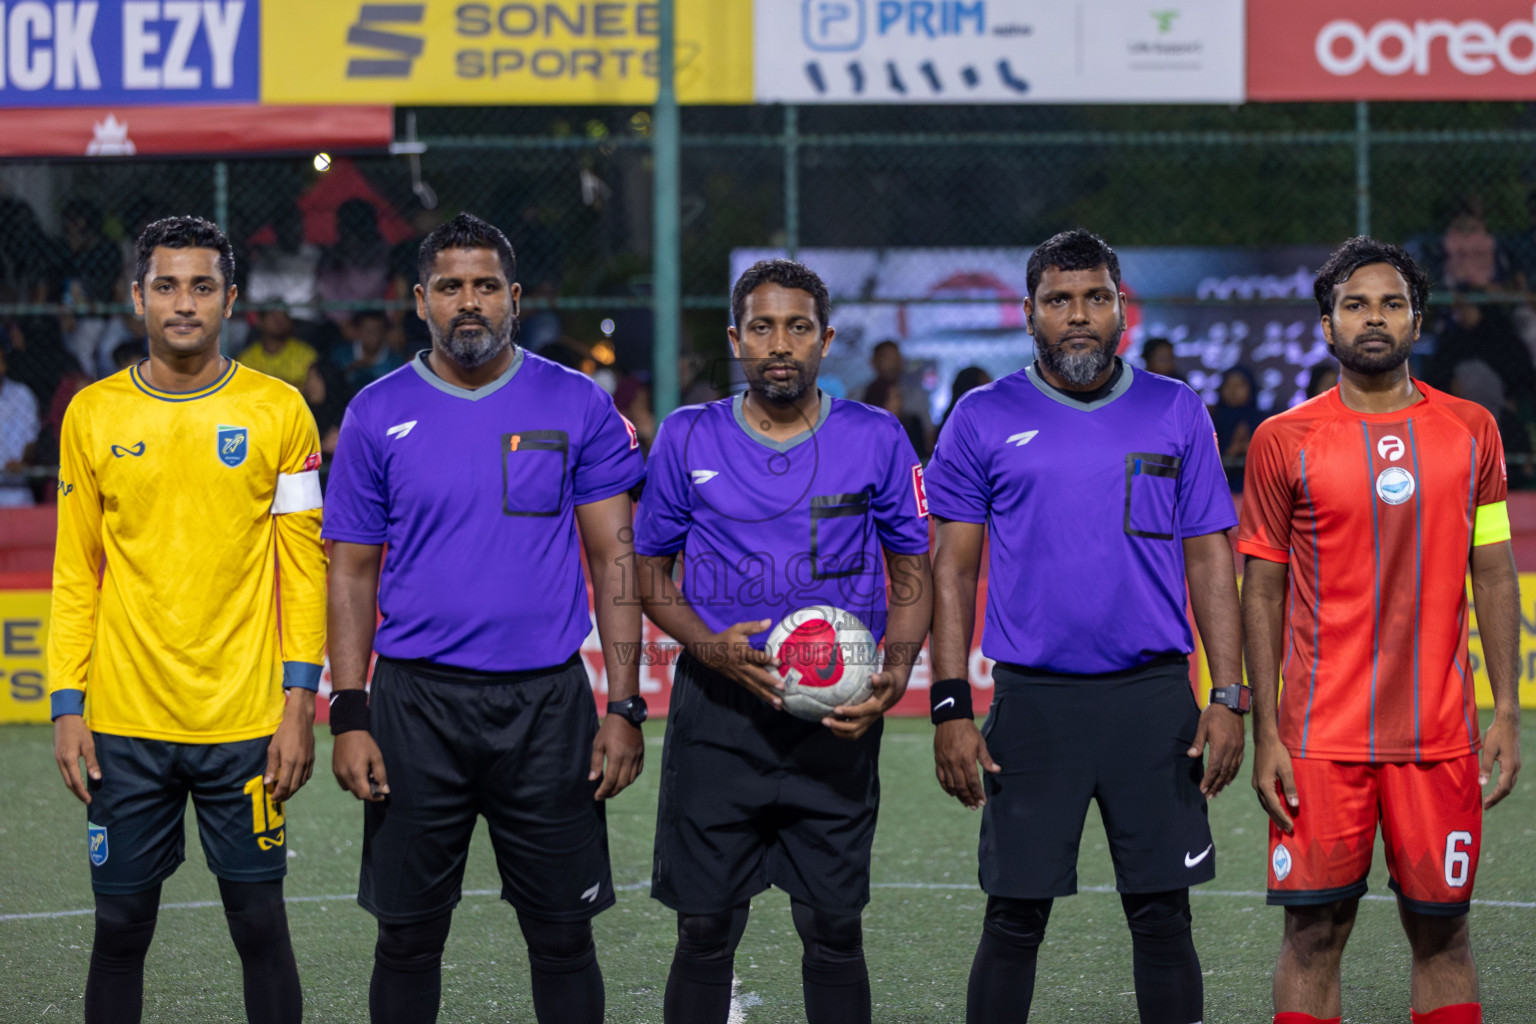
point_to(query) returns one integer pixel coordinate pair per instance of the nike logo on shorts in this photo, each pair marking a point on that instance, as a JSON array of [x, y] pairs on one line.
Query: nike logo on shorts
[[946, 702], [1190, 862]]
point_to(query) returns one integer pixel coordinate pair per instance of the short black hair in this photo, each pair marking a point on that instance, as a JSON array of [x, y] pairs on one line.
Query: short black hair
[[1078, 249], [183, 233], [785, 274], [466, 231], [1152, 345], [1362, 251], [363, 315]]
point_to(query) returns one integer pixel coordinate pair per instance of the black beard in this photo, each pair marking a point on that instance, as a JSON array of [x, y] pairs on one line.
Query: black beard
[[1079, 369], [473, 349], [1373, 365], [781, 392]]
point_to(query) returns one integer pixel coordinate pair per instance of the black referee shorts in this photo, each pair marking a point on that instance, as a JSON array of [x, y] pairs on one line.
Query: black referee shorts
[[753, 797], [515, 747], [1118, 738]]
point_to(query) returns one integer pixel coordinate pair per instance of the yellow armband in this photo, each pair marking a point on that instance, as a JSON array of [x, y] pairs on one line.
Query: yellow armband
[[1492, 525]]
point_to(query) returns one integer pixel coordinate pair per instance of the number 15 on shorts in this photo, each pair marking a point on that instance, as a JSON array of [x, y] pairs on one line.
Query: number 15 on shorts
[[266, 814]]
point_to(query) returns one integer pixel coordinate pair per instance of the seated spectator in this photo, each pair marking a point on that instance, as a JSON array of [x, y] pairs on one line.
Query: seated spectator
[[890, 366], [276, 352], [327, 401], [285, 269], [1324, 376], [370, 356], [31, 263], [632, 397], [19, 428], [1476, 381], [1472, 258], [127, 354], [1157, 357], [1474, 330], [356, 268], [968, 379], [1235, 415], [886, 394]]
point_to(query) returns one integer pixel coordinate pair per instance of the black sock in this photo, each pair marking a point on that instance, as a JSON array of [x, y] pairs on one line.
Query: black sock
[[1002, 981], [562, 962], [258, 922], [699, 984], [114, 986], [1169, 987], [407, 983], [832, 971]]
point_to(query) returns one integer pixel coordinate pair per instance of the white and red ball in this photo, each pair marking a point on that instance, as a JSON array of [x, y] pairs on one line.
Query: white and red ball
[[826, 657]]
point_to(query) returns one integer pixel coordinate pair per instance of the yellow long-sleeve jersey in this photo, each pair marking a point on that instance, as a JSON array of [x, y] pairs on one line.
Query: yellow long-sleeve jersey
[[199, 515]]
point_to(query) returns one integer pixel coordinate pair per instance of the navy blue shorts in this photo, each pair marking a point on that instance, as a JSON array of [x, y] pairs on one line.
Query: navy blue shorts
[[1120, 739], [135, 818], [753, 797], [515, 747]]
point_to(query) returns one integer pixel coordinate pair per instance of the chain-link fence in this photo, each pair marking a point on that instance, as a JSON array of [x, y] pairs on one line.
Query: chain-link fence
[[334, 248]]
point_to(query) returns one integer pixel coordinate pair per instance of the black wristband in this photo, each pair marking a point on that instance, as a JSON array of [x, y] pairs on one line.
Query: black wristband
[[950, 699], [349, 711]]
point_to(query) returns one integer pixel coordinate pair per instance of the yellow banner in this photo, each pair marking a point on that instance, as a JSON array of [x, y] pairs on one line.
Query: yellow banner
[[468, 54], [1525, 672], [23, 668]]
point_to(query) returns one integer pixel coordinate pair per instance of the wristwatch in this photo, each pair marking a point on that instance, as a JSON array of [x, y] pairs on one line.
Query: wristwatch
[[632, 710], [1237, 697]]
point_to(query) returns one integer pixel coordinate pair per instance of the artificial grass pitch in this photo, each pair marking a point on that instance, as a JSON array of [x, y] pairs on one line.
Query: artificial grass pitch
[[920, 929]]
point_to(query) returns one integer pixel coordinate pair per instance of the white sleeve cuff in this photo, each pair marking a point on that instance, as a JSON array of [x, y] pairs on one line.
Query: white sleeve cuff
[[297, 492]]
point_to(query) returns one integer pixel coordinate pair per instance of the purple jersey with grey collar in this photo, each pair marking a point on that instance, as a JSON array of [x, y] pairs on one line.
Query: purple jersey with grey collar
[[766, 526], [1086, 507], [474, 492]]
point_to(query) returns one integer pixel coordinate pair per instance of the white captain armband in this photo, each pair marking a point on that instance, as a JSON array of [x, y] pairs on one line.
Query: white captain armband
[[297, 492]]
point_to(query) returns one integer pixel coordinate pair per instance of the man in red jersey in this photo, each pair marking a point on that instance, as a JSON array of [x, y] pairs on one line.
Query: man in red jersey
[[1375, 497]]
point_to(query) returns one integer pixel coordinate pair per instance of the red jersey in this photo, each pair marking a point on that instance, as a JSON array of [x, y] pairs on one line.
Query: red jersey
[[1377, 514]]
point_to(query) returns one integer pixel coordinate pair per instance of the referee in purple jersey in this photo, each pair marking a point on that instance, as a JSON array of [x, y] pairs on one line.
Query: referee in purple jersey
[[1102, 493], [777, 499], [474, 464]]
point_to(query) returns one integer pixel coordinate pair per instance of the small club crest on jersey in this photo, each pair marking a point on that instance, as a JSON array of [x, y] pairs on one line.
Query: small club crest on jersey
[[233, 443], [97, 839]]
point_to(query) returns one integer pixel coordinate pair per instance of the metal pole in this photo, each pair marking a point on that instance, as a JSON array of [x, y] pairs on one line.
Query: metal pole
[[792, 180], [666, 256], [1362, 167], [221, 194]]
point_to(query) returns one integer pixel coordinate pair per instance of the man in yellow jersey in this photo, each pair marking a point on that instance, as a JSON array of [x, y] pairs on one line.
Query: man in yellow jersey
[[189, 511]]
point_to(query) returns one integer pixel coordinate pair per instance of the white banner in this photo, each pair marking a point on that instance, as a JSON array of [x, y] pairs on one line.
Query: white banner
[[998, 51]]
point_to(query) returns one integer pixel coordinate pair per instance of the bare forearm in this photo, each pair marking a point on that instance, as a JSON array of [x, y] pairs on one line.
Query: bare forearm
[[666, 606], [956, 569], [351, 617], [618, 627], [1496, 597], [911, 613], [1213, 595], [1263, 629]]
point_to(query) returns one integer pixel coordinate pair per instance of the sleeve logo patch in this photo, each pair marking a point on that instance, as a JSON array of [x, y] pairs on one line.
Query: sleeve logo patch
[[634, 435], [313, 462], [920, 491]]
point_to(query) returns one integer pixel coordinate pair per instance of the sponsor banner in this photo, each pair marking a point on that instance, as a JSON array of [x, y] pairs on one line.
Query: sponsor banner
[[499, 52], [1391, 50], [23, 661], [177, 131], [998, 51], [91, 53]]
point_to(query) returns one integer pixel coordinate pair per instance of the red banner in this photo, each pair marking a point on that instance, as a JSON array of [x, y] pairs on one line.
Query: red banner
[[1391, 50], [184, 131]]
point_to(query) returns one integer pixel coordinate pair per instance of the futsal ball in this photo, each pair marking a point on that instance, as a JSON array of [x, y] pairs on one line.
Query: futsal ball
[[826, 658]]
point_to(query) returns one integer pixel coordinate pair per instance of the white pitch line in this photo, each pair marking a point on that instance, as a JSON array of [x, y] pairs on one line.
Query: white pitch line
[[1247, 894]]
